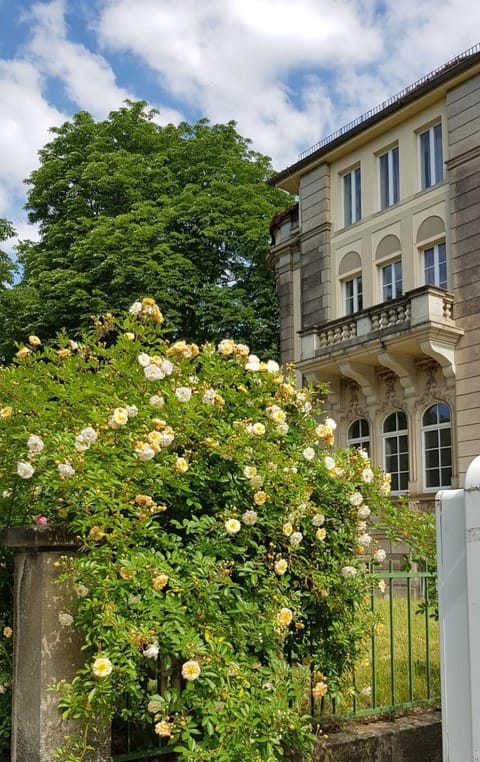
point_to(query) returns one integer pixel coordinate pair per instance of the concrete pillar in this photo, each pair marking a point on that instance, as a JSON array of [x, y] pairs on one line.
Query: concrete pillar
[[44, 651]]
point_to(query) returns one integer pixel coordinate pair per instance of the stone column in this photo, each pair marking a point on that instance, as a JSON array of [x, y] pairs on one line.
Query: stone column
[[44, 651]]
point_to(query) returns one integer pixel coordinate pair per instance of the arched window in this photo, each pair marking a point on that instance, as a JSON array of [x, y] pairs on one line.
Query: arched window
[[395, 450], [437, 446], [358, 435]]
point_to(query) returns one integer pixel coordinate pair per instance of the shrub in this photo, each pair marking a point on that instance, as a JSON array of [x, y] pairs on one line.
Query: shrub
[[219, 531]]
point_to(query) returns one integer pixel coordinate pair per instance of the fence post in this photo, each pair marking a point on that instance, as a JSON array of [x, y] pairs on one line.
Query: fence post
[[458, 547], [44, 651]]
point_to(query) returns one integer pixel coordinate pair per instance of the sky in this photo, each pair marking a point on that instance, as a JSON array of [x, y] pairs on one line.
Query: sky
[[289, 72]]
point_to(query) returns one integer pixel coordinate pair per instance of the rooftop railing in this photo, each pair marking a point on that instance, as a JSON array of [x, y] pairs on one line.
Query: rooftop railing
[[390, 102]]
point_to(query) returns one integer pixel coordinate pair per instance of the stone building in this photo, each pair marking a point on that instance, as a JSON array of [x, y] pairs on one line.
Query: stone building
[[378, 275]]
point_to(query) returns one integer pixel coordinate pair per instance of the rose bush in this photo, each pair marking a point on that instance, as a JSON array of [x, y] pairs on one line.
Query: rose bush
[[220, 533]]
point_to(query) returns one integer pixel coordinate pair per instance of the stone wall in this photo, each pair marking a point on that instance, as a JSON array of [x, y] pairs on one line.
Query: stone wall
[[315, 226], [463, 174], [415, 738]]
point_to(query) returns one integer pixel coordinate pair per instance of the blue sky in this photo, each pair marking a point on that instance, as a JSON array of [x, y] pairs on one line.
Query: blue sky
[[288, 72]]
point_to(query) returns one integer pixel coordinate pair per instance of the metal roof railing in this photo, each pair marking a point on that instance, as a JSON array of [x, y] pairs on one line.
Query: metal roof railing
[[390, 102]]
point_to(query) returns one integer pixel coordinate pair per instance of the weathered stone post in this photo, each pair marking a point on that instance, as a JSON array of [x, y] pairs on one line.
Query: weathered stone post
[[44, 651]]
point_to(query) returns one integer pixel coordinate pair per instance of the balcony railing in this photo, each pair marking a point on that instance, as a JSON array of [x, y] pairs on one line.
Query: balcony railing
[[425, 310]]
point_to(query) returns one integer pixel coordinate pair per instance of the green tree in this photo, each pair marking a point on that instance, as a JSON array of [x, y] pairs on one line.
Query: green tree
[[6, 265], [126, 207]]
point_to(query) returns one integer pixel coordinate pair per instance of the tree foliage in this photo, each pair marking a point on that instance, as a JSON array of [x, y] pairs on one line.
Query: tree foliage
[[6, 265], [126, 207]]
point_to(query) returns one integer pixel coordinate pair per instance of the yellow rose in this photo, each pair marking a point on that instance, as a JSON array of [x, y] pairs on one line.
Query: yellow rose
[[23, 352], [181, 466], [160, 581], [97, 534], [284, 617]]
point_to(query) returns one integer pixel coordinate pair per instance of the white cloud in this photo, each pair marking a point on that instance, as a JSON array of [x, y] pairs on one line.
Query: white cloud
[[25, 119], [88, 79], [229, 59]]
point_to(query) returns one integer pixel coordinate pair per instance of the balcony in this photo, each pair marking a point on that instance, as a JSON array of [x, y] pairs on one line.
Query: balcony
[[417, 325]]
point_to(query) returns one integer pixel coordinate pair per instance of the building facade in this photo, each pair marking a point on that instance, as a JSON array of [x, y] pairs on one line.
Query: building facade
[[378, 275]]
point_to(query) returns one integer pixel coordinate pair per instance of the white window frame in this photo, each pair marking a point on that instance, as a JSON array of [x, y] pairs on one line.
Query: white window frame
[[356, 297], [395, 284], [437, 427], [430, 173], [435, 248], [392, 188], [362, 442], [398, 434], [355, 195]]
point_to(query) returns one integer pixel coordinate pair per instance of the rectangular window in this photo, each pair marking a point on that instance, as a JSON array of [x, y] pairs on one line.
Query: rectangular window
[[396, 461], [435, 265], [431, 156], [353, 295], [352, 202], [389, 178], [392, 281]]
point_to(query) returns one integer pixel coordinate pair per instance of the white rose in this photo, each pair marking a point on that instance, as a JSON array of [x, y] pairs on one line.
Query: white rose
[[143, 451], [35, 444], [167, 367], [136, 308], [209, 397], [25, 470], [356, 499], [65, 469], [143, 359], [232, 526], [152, 651], [153, 373], [183, 393], [272, 366], [363, 512], [296, 538], [88, 435], [253, 364], [365, 540], [249, 518]]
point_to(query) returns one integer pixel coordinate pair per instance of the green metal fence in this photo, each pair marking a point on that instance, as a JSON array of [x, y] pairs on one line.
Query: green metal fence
[[403, 669]]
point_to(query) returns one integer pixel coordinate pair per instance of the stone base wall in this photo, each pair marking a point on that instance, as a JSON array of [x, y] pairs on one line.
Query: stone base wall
[[416, 738]]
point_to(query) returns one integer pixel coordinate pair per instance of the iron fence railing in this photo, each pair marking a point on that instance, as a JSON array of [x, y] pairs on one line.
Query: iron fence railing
[[403, 670]]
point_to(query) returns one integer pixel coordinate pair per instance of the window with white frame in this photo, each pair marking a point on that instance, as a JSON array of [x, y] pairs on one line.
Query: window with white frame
[[392, 285], [352, 196], [395, 450], [435, 265], [431, 156], [353, 295], [358, 435], [437, 446], [389, 178]]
